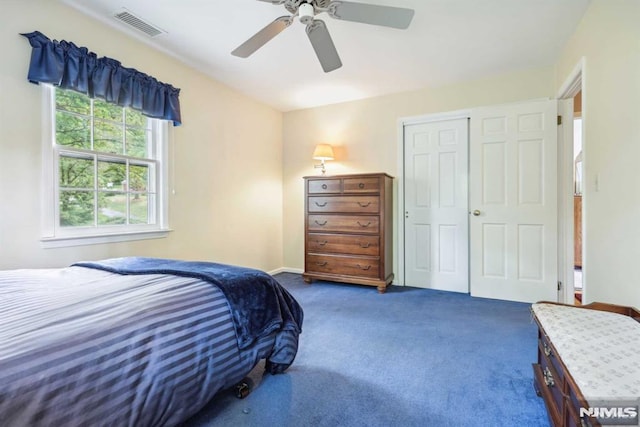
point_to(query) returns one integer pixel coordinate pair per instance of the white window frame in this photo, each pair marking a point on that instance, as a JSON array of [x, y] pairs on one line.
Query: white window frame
[[54, 235]]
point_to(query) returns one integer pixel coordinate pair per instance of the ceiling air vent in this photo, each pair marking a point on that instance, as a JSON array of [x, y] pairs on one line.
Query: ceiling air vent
[[133, 21]]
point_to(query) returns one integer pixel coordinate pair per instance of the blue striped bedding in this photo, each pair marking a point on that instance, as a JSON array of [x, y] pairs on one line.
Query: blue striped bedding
[[85, 347]]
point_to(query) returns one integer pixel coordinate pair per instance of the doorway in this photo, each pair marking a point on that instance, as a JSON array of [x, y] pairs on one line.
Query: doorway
[[577, 197], [572, 200]]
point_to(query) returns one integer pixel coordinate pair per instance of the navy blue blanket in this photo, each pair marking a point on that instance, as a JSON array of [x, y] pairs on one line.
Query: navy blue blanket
[[259, 304]]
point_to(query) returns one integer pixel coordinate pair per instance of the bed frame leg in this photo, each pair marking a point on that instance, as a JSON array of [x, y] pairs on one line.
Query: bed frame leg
[[243, 388]]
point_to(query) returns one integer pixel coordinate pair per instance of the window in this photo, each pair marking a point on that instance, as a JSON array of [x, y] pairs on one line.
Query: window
[[108, 168]]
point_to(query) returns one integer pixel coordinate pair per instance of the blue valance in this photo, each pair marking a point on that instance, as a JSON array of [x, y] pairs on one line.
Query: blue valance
[[68, 66]]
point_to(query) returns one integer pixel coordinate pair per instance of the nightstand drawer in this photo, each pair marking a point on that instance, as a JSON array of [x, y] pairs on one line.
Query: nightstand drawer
[[343, 244], [346, 204], [322, 186], [344, 223], [349, 266]]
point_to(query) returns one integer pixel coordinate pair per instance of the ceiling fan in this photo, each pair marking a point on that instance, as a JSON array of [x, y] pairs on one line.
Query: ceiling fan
[[306, 10]]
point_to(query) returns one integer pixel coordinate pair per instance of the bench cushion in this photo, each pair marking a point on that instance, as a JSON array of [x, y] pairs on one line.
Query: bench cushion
[[601, 350]]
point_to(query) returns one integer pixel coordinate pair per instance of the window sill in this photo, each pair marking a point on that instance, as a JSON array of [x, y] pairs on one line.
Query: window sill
[[98, 239]]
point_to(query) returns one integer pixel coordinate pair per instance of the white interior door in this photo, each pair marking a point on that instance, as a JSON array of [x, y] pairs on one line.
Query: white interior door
[[436, 205], [513, 202]]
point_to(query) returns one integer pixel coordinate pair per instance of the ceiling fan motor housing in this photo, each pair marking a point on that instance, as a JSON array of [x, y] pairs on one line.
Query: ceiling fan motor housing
[[306, 13]]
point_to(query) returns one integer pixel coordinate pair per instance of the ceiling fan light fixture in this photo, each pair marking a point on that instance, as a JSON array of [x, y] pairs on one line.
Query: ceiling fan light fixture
[[317, 32], [306, 13]]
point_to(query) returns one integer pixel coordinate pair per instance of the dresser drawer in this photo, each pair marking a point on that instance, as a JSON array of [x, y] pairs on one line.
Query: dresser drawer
[[543, 390], [344, 223], [343, 244], [552, 381], [346, 204], [572, 418], [323, 186], [362, 185], [573, 409], [343, 265], [546, 350]]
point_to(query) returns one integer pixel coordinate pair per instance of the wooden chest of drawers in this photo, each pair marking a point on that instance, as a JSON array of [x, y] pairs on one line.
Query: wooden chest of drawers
[[348, 229]]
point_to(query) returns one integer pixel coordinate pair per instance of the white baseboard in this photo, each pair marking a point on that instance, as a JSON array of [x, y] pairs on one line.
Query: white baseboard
[[300, 271], [286, 270]]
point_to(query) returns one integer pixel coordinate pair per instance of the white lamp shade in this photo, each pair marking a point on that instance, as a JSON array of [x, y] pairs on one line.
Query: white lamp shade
[[323, 152]]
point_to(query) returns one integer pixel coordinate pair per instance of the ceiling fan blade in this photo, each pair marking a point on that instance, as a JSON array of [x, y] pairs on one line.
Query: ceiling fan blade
[[387, 16], [323, 45], [262, 37]]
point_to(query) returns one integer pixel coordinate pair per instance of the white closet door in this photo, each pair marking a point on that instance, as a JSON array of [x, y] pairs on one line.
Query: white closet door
[[436, 210], [513, 202]]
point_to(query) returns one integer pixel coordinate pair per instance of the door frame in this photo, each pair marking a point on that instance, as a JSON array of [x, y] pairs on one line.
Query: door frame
[[399, 258], [574, 83]]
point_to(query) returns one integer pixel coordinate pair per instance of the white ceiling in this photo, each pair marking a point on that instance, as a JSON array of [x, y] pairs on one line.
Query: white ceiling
[[448, 41]]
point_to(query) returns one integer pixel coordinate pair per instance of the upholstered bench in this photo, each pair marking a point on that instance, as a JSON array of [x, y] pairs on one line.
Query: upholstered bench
[[589, 358]]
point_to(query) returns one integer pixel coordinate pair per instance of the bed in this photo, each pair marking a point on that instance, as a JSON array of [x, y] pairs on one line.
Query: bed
[[135, 341]]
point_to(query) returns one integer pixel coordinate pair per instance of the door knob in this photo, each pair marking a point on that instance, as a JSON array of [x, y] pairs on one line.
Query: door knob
[[476, 212]]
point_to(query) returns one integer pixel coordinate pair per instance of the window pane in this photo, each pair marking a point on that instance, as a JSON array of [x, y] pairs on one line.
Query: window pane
[[136, 119], [112, 175], [76, 208], [137, 142], [139, 177], [73, 131], [139, 207], [107, 137], [112, 208], [76, 102], [105, 156], [75, 172], [104, 110]]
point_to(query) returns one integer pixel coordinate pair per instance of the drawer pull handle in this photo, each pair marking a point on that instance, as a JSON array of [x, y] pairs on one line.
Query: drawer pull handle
[[322, 243], [547, 349], [321, 224], [364, 225], [361, 185], [364, 205], [363, 268], [321, 264], [321, 205], [365, 245], [548, 377], [324, 186]]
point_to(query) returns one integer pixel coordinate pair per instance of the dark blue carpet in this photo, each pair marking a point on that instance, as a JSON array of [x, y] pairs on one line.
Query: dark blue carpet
[[410, 357]]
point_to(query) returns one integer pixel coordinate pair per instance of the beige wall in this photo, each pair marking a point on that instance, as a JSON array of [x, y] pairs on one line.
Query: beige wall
[[236, 185], [609, 40], [365, 134], [226, 157]]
